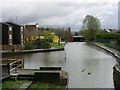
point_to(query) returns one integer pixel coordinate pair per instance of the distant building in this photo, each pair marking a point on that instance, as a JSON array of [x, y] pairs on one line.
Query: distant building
[[109, 30], [6, 39], [55, 39], [78, 39], [30, 32], [12, 36]]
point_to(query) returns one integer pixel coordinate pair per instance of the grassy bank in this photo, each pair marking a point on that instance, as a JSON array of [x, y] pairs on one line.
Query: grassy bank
[[110, 45], [14, 85], [100, 43], [44, 86], [56, 45]]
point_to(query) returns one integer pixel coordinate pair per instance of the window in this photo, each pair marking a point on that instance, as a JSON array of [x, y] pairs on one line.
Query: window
[[21, 37], [10, 28], [21, 29], [10, 43], [10, 36], [21, 41]]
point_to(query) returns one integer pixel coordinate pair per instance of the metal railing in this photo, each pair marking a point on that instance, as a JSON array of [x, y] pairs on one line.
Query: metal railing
[[16, 64]]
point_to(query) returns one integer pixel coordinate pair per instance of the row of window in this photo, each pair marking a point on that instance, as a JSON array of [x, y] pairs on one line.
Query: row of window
[[10, 39], [10, 29], [10, 36]]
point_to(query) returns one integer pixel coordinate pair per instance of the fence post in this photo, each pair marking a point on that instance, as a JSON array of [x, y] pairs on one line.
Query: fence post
[[22, 62], [8, 66]]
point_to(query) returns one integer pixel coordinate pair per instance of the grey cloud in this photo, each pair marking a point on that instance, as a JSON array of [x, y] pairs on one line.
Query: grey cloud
[[60, 13]]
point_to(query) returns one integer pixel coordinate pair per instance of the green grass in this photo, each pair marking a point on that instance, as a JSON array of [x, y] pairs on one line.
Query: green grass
[[14, 85], [9, 84], [45, 86], [110, 45], [55, 45], [99, 43]]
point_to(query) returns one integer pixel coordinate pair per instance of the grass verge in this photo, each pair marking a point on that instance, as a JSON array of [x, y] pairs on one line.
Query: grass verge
[[10, 84], [44, 86], [99, 43], [55, 45]]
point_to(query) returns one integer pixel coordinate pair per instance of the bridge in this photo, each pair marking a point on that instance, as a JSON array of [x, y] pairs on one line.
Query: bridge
[[78, 39]]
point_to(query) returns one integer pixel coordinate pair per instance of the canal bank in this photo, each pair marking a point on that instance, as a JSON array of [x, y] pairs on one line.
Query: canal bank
[[115, 53], [116, 76], [32, 51]]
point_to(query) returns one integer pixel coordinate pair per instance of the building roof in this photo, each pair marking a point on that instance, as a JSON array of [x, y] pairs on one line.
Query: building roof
[[5, 23], [30, 30], [77, 36], [11, 23]]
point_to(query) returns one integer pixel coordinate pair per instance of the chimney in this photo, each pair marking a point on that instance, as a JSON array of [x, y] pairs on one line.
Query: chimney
[[36, 25]]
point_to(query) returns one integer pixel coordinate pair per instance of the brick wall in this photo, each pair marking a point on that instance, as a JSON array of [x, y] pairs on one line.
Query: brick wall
[[116, 76], [10, 47]]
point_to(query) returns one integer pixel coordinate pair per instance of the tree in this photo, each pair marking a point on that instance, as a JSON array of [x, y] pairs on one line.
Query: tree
[[76, 34], [48, 35], [60, 32], [91, 26]]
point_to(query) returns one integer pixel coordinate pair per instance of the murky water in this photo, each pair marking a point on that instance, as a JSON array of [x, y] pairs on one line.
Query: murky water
[[87, 66]]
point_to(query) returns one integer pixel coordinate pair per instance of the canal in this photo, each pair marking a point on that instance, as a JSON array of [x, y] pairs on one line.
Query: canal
[[87, 66]]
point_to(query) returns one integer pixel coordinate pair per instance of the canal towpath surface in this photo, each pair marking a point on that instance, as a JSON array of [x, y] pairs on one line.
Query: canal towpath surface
[[114, 52]]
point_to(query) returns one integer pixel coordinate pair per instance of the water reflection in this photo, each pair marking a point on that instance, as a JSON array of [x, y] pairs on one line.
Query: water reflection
[[36, 60]]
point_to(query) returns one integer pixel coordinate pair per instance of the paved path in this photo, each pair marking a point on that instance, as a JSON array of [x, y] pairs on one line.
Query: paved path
[[111, 50]]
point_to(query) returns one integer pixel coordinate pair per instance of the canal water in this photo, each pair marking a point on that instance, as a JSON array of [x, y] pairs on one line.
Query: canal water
[[87, 66]]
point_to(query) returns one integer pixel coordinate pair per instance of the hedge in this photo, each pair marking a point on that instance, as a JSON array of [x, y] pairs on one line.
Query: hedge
[[107, 36]]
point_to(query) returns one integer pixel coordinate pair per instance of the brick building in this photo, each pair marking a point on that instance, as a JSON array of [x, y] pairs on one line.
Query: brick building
[[30, 31], [12, 36]]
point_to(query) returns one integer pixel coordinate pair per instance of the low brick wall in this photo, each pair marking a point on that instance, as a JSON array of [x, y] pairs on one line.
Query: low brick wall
[[116, 76], [47, 76], [10, 47], [50, 68]]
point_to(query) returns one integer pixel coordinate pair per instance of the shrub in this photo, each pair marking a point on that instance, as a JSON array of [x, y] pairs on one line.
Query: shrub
[[29, 45], [107, 36], [42, 44], [38, 44], [45, 44], [114, 46]]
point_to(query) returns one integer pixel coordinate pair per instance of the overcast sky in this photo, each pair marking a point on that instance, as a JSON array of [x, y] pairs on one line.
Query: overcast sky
[[59, 13]]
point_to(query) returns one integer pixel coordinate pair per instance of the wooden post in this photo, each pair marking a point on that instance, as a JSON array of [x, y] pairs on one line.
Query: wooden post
[[118, 39]]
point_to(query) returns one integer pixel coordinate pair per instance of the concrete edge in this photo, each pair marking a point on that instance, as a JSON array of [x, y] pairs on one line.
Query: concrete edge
[[108, 50], [34, 51], [117, 68], [25, 86]]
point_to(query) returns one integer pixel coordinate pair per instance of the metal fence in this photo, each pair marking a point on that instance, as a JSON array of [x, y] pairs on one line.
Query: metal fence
[[10, 65]]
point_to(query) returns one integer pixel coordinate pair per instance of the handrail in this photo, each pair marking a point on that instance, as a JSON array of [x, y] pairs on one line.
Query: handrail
[[15, 61], [16, 67], [13, 68], [7, 60]]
